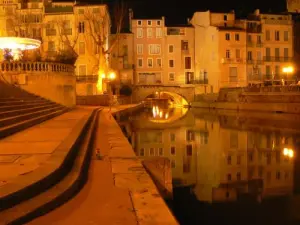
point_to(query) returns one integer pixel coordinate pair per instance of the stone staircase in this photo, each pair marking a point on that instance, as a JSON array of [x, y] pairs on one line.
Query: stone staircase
[[20, 110]]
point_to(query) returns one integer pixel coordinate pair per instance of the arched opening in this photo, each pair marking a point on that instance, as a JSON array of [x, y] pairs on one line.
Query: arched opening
[[169, 99]]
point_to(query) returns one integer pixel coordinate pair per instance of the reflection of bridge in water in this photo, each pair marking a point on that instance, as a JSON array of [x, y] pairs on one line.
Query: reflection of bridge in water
[[220, 156]]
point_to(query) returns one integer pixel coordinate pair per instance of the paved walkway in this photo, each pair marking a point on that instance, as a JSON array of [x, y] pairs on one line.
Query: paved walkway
[[118, 190], [25, 151]]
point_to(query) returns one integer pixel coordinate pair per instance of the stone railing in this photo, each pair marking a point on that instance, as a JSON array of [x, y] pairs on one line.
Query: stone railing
[[35, 67]]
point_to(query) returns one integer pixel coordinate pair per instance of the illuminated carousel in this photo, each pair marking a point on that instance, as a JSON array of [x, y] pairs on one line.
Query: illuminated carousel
[[13, 46]]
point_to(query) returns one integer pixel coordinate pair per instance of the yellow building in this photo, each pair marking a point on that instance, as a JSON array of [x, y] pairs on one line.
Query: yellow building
[[67, 30], [236, 53]]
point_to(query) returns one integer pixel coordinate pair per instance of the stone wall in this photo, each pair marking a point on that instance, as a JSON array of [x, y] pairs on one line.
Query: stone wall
[[52, 81], [102, 100]]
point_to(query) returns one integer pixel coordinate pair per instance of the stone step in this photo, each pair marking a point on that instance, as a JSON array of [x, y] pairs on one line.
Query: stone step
[[15, 119], [57, 188], [20, 99], [22, 102], [24, 106], [21, 111], [22, 125]]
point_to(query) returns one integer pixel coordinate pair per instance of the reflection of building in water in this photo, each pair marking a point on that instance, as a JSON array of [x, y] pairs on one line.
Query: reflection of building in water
[[220, 164], [176, 141], [242, 162]]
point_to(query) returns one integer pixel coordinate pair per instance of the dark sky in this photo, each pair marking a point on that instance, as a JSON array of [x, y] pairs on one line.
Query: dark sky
[[176, 11]]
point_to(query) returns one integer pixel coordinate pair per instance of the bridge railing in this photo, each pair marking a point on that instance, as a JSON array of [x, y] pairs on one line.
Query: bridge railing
[[35, 67]]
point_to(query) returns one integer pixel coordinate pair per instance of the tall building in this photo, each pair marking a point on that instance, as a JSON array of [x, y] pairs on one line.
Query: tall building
[[236, 53], [66, 29], [162, 55]]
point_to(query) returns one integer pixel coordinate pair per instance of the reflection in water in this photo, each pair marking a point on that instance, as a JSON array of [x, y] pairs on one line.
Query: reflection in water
[[222, 158]]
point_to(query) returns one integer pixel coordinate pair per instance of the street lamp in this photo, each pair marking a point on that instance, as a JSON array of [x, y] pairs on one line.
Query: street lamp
[[288, 70], [288, 152]]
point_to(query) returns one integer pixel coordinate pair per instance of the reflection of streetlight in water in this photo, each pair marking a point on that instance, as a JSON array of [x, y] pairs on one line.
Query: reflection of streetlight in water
[[158, 113], [288, 152]]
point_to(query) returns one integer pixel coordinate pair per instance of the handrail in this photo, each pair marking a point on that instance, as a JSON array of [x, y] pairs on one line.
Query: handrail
[[36, 67]]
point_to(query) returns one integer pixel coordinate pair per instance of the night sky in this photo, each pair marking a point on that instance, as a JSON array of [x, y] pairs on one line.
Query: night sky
[[177, 11]]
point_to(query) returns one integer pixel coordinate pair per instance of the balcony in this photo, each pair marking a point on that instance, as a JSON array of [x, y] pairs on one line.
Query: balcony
[[66, 31], [259, 45], [50, 32], [232, 60], [270, 77], [197, 81], [277, 59], [87, 79]]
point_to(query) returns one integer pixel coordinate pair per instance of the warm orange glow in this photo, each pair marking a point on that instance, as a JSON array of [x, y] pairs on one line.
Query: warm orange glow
[[19, 43], [288, 69], [288, 152], [101, 76], [112, 75]]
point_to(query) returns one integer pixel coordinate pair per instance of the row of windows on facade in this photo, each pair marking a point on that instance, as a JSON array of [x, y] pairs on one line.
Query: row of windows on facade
[[277, 36], [278, 175], [251, 157], [187, 63], [160, 151], [150, 33], [81, 47], [149, 22], [268, 54], [256, 140], [155, 49]]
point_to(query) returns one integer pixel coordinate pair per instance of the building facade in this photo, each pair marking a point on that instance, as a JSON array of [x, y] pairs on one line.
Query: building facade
[[236, 53], [70, 32]]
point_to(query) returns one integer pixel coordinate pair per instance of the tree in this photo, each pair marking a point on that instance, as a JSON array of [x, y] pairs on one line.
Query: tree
[[99, 26]]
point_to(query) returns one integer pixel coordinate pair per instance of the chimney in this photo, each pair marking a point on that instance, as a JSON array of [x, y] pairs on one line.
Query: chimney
[[130, 19]]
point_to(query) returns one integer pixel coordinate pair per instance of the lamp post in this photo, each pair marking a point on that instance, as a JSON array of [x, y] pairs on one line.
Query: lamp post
[[287, 70], [107, 79]]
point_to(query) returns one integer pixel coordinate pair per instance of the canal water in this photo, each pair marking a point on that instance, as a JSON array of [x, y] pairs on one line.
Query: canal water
[[228, 167]]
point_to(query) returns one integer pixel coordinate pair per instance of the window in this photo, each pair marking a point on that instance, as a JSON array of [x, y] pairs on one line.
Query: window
[[158, 22], [227, 54], [150, 62], [51, 46], [227, 36], [189, 150], [80, 11], [268, 70], [149, 32], [139, 49], [277, 35], [229, 177], [286, 36], [139, 23], [81, 27], [81, 48], [158, 62], [225, 17], [268, 35], [140, 63], [238, 53], [278, 175], [158, 32], [142, 152], [249, 38], [171, 48], [171, 76], [171, 63], [82, 70], [96, 10], [258, 39], [190, 135], [277, 70], [154, 49], [249, 55], [188, 63], [238, 176], [184, 45], [173, 150], [277, 54], [149, 22], [229, 160], [286, 53], [237, 37], [172, 137], [160, 152], [151, 152], [139, 32]]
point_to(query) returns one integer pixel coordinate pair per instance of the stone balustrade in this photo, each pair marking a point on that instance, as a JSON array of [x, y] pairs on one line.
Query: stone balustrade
[[35, 67]]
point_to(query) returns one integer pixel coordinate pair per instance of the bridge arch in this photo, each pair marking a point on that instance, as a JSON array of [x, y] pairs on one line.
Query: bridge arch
[[175, 99], [180, 95]]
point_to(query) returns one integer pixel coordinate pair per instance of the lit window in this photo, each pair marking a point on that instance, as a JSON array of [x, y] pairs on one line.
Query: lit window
[[139, 49], [140, 32], [158, 32], [149, 32]]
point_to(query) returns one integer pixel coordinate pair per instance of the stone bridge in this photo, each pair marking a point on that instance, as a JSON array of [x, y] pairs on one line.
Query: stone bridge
[[179, 94]]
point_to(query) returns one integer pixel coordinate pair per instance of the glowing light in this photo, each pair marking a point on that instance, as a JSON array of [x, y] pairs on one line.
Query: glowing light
[[112, 75], [288, 152], [19, 43], [166, 116], [288, 69], [102, 75]]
